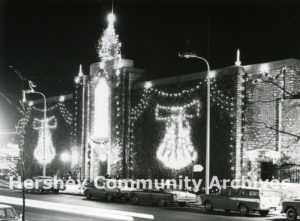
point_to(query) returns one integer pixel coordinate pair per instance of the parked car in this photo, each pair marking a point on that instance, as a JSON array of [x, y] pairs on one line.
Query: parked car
[[243, 200], [126, 190], [181, 197], [42, 183], [104, 192], [152, 196], [8, 213], [292, 209]]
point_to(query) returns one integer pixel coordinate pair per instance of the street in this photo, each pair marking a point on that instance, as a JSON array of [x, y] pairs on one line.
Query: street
[[61, 207]]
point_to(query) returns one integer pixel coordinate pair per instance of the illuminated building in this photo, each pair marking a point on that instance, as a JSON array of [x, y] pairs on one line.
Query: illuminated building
[[156, 129]]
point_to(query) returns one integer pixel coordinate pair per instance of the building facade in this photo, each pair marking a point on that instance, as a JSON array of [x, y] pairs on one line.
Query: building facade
[[132, 128]]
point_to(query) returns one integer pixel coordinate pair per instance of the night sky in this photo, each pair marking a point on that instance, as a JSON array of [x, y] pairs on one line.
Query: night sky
[[47, 40]]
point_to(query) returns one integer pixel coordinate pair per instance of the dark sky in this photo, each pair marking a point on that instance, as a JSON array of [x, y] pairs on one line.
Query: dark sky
[[47, 40]]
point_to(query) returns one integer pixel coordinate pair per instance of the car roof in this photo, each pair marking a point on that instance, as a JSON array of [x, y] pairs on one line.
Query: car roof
[[243, 188], [4, 206], [251, 188], [44, 177]]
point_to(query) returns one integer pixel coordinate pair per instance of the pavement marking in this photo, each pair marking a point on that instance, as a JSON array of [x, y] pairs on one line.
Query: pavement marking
[[81, 210]]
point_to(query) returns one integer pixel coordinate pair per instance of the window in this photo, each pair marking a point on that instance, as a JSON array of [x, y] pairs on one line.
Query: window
[[10, 213], [253, 193], [244, 192], [269, 193], [225, 192], [234, 192], [2, 213]]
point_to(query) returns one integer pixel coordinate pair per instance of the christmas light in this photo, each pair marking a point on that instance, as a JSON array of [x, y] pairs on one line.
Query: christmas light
[[67, 116], [176, 150], [77, 79], [148, 85], [61, 98], [109, 47], [44, 154], [212, 74], [111, 18]]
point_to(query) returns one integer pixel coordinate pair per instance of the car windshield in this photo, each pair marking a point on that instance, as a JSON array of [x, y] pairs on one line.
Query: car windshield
[[168, 190], [7, 213], [225, 192], [2, 213], [269, 193], [10, 213], [171, 188], [253, 193]]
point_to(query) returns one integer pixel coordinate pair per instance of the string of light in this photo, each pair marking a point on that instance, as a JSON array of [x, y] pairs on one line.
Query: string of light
[[183, 92], [221, 100], [182, 110], [67, 116]]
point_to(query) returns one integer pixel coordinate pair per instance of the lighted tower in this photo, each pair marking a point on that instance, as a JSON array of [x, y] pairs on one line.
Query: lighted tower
[[106, 108]]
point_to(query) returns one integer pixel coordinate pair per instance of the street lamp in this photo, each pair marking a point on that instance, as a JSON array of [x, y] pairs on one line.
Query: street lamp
[[65, 157], [32, 91], [207, 168]]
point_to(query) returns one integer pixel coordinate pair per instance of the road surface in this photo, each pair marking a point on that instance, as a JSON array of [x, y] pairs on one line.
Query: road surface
[[61, 207]]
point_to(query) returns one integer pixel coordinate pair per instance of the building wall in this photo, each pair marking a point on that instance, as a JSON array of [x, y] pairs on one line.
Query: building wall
[[61, 136], [268, 114], [290, 146], [148, 132], [116, 145], [249, 116]]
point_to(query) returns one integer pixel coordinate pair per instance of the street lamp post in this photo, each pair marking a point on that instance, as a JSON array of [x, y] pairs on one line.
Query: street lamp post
[[32, 91], [207, 167]]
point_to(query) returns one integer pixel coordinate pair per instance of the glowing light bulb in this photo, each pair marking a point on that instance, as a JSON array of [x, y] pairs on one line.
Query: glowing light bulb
[[212, 74], [77, 80], [111, 18], [62, 98], [148, 85]]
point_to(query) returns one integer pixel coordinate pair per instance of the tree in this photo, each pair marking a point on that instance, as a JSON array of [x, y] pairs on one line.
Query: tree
[[280, 93]]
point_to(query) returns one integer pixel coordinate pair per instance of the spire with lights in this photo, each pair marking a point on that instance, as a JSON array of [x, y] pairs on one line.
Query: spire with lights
[[238, 60], [80, 73], [109, 47]]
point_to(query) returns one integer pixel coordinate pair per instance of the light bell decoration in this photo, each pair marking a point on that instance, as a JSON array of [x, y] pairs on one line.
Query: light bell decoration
[[176, 150], [49, 149]]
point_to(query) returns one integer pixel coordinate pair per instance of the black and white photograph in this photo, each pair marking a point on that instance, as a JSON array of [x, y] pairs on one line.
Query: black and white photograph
[[141, 110]]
